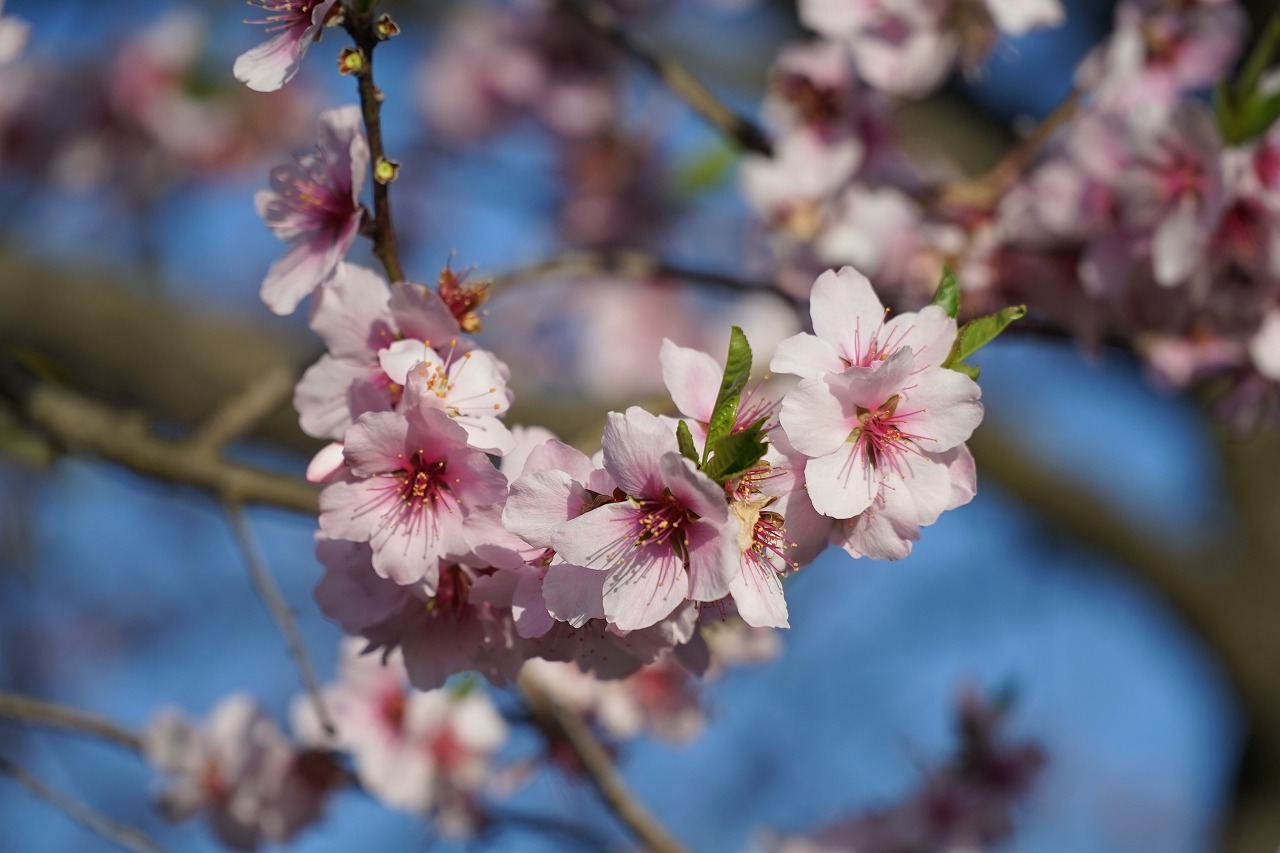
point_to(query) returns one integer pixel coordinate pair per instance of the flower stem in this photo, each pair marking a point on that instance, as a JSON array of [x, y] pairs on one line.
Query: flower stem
[[360, 25]]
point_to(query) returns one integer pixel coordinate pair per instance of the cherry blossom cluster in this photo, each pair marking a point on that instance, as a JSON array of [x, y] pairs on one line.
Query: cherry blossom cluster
[[968, 803], [141, 123], [1148, 217]]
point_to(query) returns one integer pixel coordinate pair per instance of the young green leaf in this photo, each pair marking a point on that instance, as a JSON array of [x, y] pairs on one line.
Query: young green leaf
[[979, 332], [737, 368], [737, 453], [948, 293], [685, 439]]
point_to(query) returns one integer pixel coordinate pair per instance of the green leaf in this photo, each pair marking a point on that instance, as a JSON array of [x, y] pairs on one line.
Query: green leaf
[[948, 293], [737, 368], [1258, 114], [979, 332], [685, 440], [737, 453], [705, 170]]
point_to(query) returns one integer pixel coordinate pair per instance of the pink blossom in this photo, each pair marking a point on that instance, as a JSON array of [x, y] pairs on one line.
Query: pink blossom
[[851, 331], [314, 205], [428, 753], [464, 622], [672, 540], [907, 46], [693, 379], [789, 189], [358, 316], [1159, 52], [967, 803], [1174, 187], [869, 428], [295, 24], [14, 33], [254, 784], [412, 479], [906, 502], [470, 387]]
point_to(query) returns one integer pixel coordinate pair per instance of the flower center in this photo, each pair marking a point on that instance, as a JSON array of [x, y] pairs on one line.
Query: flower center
[[665, 521], [880, 436], [422, 483]]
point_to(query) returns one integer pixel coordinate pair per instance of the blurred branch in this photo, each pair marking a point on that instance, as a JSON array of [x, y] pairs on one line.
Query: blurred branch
[[360, 24], [633, 264], [80, 424], [117, 833], [244, 411], [269, 592], [38, 713], [736, 128], [560, 725], [986, 190]]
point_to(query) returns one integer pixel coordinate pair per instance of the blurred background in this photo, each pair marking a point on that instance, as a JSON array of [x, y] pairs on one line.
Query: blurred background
[[130, 262]]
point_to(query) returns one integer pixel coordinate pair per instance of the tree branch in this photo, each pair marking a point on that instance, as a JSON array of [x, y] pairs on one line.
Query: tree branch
[[269, 592], [634, 264], [560, 725], [734, 127], [360, 24], [39, 713], [243, 412], [117, 833], [83, 425]]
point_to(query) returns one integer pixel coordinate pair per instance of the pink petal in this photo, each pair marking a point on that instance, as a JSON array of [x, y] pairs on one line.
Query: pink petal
[[574, 594], [757, 593], [644, 590], [841, 484], [633, 445], [814, 420], [806, 356], [693, 378], [942, 407], [846, 311]]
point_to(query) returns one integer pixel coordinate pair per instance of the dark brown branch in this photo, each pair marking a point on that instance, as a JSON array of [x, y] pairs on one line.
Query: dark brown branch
[[117, 833], [39, 713], [560, 725], [362, 29], [79, 424], [734, 127]]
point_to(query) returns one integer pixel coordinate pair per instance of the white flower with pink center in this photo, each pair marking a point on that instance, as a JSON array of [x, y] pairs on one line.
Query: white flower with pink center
[[295, 24], [851, 331], [870, 428], [314, 205], [412, 479], [672, 540], [422, 752], [253, 783], [358, 316], [470, 387]]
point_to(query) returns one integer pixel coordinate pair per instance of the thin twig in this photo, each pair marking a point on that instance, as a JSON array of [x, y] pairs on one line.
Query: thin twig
[[633, 264], [37, 712], [117, 833], [735, 127], [117, 435], [563, 726], [246, 410], [265, 584], [361, 27], [987, 190]]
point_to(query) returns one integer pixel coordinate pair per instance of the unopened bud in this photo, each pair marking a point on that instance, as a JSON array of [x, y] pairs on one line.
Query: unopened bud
[[350, 61], [385, 171], [386, 28]]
